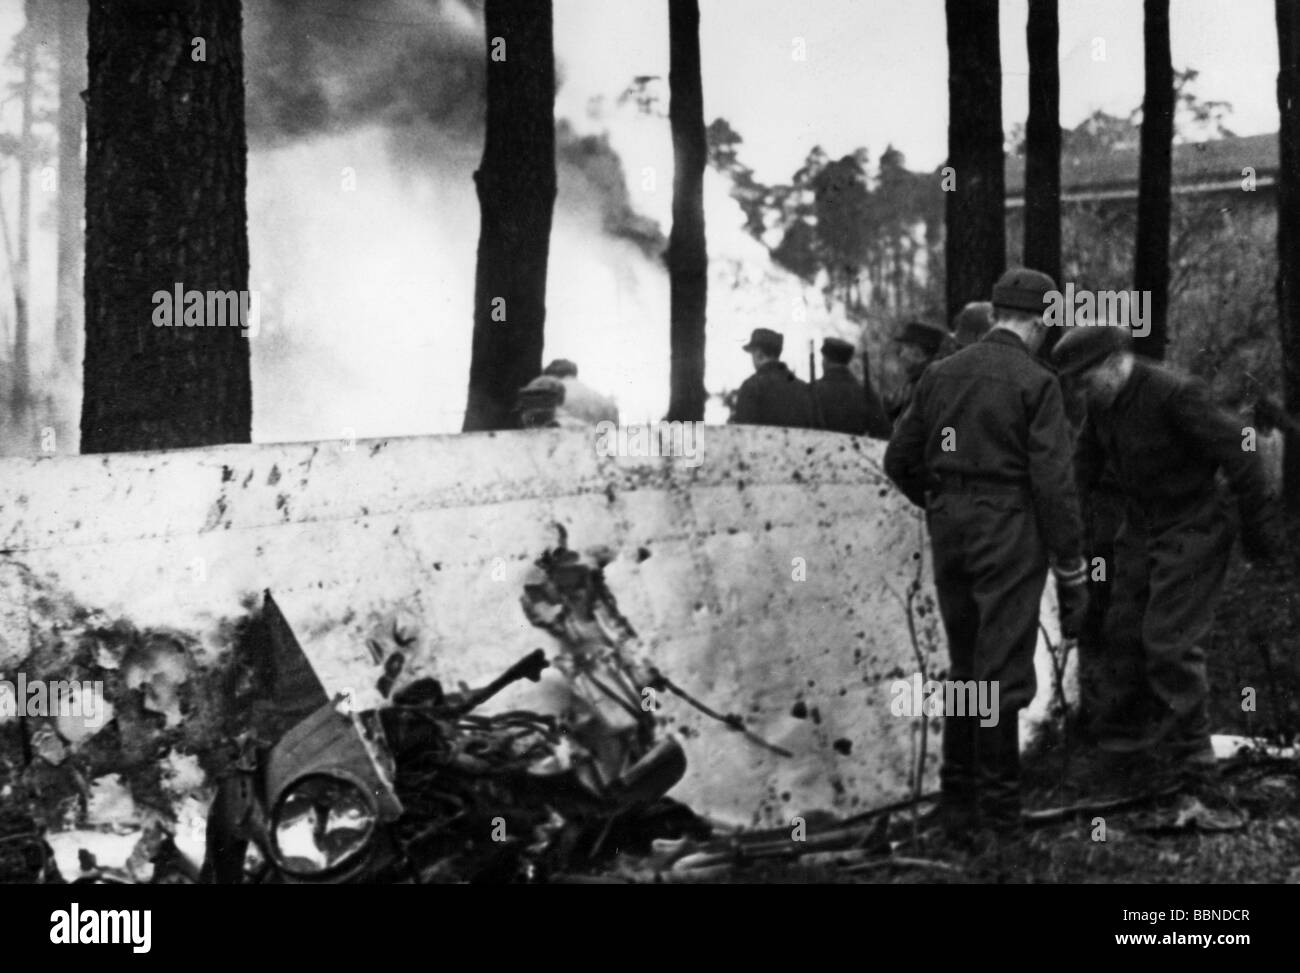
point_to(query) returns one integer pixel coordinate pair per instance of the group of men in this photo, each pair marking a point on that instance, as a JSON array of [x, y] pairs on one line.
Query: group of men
[[838, 401], [986, 446], [1007, 449]]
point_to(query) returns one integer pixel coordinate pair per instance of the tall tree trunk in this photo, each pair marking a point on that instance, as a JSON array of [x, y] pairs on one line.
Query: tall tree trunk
[[688, 260], [976, 243], [72, 190], [516, 191], [165, 209], [1155, 177], [23, 276], [1288, 230], [1043, 147]]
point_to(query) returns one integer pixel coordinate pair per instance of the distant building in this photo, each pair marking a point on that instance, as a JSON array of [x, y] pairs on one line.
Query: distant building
[[1199, 168]]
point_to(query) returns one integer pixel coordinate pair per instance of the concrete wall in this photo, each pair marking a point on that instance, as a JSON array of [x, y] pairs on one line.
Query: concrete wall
[[770, 580]]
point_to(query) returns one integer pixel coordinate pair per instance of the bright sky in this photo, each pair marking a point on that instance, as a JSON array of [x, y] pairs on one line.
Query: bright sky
[[877, 71]]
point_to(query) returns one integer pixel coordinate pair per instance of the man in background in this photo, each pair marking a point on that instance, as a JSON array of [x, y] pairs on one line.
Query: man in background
[[846, 404], [773, 396], [972, 323], [581, 401], [919, 344]]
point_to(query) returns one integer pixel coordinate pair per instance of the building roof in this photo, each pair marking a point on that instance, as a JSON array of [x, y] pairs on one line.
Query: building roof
[[1198, 167]]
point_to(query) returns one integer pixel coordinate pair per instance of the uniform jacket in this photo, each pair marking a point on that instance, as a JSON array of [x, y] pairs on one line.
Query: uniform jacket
[[1164, 439], [1002, 412], [846, 406], [772, 396]]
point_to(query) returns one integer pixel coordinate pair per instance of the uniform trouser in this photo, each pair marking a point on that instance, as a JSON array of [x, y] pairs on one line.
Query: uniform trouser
[[1168, 576], [1103, 514], [990, 566]]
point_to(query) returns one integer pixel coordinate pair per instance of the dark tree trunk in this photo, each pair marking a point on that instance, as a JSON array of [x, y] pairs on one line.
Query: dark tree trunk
[[1288, 230], [72, 188], [975, 246], [1043, 145], [516, 191], [688, 260], [1155, 177], [165, 187]]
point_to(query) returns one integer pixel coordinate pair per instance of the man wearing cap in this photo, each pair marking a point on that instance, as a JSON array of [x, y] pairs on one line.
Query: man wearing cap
[[972, 323], [540, 406], [772, 396], [581, 401], [845, 404], [986, 448], [1166, 441], [919, 344]]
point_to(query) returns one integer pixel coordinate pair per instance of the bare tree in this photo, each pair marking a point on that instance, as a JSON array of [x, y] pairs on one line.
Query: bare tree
[[688, 261], [165, 209], [22, 272], [975, 246], [1155, 176], [1288, 229], [72, 191], [1043, 145], [516, 183]]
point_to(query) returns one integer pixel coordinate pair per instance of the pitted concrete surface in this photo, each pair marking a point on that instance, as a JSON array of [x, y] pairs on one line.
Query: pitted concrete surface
[[770, 581]]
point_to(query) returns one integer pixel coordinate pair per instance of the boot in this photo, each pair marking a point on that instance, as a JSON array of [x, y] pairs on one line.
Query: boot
[[956, 815], [998, 775]]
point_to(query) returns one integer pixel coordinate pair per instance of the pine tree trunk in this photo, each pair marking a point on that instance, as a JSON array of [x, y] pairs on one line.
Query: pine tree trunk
[[1043, 143], [23, 277], [1288, 231], [71, 201], [516, 190], [1155, 177], [975, 245], [165, 208], [688, 261]]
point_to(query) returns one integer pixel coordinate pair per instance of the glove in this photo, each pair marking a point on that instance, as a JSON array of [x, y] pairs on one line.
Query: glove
[[1071, 596]]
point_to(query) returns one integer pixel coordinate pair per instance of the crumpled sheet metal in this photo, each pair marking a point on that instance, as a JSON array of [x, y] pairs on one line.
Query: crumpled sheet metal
[[770, 581]]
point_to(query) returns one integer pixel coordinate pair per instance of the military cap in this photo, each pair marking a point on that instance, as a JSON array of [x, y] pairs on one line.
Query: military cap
[[766, 340], [1023, 290], [1082, 348], [837, 350], [973, 322], [561, 368], [928, 337]]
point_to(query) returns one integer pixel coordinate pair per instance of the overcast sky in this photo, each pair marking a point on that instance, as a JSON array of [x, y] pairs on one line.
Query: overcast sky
[[877, 70]]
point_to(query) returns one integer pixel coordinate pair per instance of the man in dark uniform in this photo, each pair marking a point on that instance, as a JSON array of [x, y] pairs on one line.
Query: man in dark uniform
[[772, 396], [986, 448], [846, 406], [918, 346], [1166, 441]]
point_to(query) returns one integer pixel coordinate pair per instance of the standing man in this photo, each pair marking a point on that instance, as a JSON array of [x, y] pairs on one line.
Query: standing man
[[1165, 441], [846, 406], [772, 396], [918, 346], [985, 447], [581, 401]]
